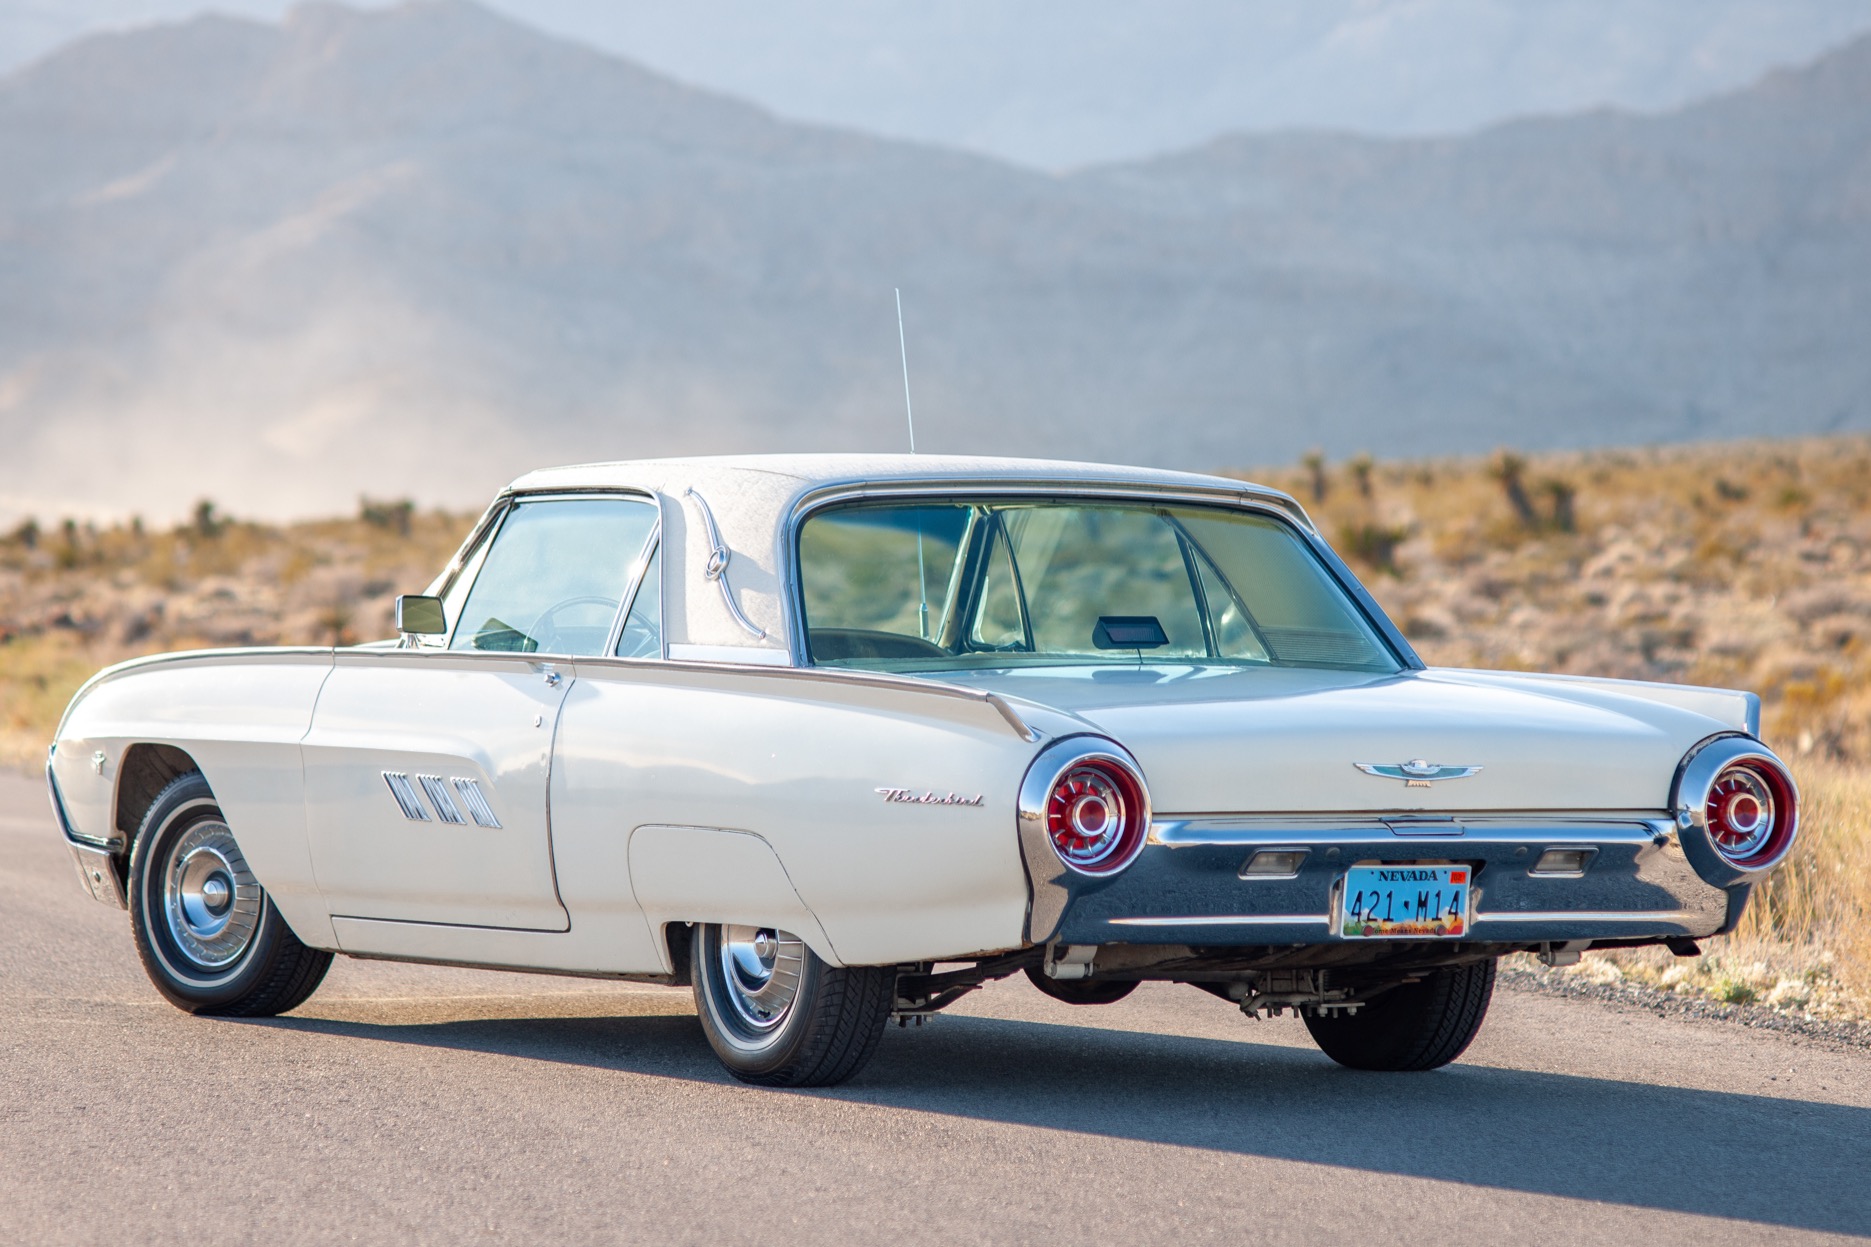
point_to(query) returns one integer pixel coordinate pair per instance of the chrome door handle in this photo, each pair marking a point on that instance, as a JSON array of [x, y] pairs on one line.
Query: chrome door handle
[[552, 678]]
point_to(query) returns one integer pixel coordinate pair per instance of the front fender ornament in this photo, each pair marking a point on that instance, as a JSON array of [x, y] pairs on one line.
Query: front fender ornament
[[1416, 773]]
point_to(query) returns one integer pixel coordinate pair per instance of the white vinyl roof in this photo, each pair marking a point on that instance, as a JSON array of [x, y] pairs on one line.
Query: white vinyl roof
[[753, 497]]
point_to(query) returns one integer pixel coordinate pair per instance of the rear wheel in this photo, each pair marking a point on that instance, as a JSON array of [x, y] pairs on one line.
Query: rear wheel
[[206, 931], [1415, 1026], [777, 1015]]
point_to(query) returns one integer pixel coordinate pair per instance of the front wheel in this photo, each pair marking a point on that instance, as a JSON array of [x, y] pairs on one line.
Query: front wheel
[[777, 1015], [1414, 1026], [206, 931]]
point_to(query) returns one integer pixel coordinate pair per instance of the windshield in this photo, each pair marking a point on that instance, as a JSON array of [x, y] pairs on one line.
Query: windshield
[[927, 586]]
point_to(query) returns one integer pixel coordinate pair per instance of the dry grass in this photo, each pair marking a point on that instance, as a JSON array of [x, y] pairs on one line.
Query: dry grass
[[1745, 565], [75, 598]]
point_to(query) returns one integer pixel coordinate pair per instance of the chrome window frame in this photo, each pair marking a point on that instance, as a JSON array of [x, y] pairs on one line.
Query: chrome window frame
[[488, 531], [651, 547], [478, 538], [967, 492]]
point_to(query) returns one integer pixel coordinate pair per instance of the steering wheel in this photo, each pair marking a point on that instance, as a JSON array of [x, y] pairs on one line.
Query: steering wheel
[[543, 627]]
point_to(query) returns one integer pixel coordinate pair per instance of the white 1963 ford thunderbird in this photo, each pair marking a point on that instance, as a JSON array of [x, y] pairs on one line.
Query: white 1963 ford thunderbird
[[837, 739]]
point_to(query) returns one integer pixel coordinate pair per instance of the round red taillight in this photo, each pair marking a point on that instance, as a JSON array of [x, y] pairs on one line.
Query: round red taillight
[[1096, 815], [1750, 814]]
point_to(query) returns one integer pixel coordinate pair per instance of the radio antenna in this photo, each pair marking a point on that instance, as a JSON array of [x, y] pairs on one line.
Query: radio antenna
[[922, 571], [903, 346]]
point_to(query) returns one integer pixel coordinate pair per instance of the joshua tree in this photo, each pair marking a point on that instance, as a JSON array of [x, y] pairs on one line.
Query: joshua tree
[[1562, 495], [1361, 473], [394, 516], [1511, 470], [207, 523], [1314, 462]]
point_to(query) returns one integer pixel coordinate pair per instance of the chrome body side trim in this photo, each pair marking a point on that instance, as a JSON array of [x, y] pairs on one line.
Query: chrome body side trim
[[1229, 920], [732, 655], [1275, 831], [109, 844], [779, 669], [1028, 733], [1588, 915]]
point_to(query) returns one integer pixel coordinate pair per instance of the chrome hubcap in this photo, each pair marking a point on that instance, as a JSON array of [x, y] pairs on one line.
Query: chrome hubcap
[[761, 968], [210, 900]]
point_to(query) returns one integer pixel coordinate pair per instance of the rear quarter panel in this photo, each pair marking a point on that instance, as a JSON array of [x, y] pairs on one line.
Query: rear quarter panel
[[798, 763]]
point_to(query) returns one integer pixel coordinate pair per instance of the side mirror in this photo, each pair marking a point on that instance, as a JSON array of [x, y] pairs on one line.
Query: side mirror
[[420, 616]]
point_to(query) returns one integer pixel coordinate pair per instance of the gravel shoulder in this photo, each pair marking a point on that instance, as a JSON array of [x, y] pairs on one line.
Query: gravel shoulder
[[1851, 1034]]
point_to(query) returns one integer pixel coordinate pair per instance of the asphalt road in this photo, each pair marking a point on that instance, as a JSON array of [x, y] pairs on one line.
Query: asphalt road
[[412, 1104]]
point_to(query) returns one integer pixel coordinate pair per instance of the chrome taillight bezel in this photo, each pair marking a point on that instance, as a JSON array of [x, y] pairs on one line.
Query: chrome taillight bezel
[[1702, 772], [1054, 765]]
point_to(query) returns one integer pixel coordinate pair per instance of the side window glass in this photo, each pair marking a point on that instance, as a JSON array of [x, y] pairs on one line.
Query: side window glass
[[643, 630], [554, 577]]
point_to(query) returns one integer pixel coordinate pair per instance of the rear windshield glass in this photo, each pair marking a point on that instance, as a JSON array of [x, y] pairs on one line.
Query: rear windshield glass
[[925, 586]]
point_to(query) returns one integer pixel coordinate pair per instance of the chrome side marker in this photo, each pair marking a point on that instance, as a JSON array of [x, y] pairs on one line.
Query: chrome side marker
[[405, 794], [409, 799], [444, 804], [476, 801]]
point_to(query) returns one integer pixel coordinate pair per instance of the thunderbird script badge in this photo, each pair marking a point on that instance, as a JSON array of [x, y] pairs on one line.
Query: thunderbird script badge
[[1415, 773], [909, 796]]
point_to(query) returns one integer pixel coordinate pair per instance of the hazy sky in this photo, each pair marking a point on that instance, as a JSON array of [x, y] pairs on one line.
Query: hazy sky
[[1063, 82]]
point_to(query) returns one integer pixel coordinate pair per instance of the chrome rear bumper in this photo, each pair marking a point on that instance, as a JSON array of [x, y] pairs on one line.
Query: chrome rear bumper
[[1187, 886]]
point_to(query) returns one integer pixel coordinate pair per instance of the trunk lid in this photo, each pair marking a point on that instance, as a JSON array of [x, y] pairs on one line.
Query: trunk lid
[[1219, 741]]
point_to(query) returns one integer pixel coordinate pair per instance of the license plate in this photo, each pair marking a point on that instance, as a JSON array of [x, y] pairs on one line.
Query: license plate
[[1404, 902]]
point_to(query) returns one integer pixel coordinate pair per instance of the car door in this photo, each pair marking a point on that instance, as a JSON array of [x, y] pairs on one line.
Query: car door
[[428, 769]]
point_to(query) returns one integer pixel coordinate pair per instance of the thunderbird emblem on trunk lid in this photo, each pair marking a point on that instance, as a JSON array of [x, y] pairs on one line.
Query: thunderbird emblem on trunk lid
[[1415, 773]]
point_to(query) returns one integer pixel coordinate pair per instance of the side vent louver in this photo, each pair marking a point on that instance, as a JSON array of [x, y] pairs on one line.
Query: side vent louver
[[438, 797], [476, 801], [405, 794]]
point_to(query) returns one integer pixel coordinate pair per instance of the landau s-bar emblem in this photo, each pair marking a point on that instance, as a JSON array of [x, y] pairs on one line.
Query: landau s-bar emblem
[[909, 796], [1415, 773]]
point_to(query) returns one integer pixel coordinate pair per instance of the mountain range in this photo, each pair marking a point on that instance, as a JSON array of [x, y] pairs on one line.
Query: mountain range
[[1058, 84], [419, 250]]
